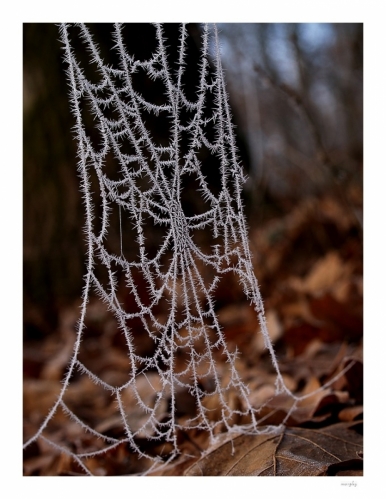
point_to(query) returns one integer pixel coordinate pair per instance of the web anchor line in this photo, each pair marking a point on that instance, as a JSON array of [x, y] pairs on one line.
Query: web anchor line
[[181, 274]]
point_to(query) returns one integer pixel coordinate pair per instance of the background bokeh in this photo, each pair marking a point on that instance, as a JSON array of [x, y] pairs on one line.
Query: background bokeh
[[296, 96]]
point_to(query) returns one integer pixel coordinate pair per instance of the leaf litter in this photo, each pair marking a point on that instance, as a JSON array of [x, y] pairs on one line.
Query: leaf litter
[[289, 452], [316, 322]]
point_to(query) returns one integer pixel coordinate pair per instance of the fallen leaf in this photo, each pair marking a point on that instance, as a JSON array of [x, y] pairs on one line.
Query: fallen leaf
[[287, 452], [325, 274], [176, 468], [340, 319], [275, 329], [351, 413]]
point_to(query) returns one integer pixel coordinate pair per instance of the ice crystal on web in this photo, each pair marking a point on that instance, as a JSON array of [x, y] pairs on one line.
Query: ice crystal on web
[[182, 274]]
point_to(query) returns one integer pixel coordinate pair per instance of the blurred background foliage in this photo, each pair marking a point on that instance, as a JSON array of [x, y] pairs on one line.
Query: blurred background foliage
[[296, 91], [296, 96]]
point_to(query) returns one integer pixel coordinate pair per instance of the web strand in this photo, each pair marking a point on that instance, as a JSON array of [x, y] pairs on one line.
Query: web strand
[[181, 275]]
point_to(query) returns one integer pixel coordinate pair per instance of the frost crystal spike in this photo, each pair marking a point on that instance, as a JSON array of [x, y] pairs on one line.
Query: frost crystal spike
[[182, 273]]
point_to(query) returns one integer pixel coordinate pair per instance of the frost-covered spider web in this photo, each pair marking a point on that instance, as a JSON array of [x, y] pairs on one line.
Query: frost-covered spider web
[[180, 277]]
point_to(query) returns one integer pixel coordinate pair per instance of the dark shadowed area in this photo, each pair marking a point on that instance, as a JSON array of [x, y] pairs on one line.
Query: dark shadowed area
[[296, 94]]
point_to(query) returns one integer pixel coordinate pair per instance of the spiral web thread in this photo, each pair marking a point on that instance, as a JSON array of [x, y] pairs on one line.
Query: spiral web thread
[[183, 275]]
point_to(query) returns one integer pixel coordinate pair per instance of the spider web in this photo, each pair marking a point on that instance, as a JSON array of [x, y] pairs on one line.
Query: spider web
[[147, 188]]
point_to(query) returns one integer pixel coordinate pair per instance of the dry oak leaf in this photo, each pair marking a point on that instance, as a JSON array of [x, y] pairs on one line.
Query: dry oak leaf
[[288, 452]]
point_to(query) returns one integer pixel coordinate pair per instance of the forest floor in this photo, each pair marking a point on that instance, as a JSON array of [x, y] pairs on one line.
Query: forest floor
[[309, 265]]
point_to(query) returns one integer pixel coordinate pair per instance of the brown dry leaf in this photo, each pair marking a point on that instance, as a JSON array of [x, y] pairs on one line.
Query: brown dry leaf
[[63, 345], [54, 368], [320, 360], [354, 378], [351, 413], [275, 329], [289, 452], [147, 386], [240, 324], [35, 464], [316, 408], [324, 275], [308, 407], [38, 398], [299, 309], [176, 468], [340, 319]]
